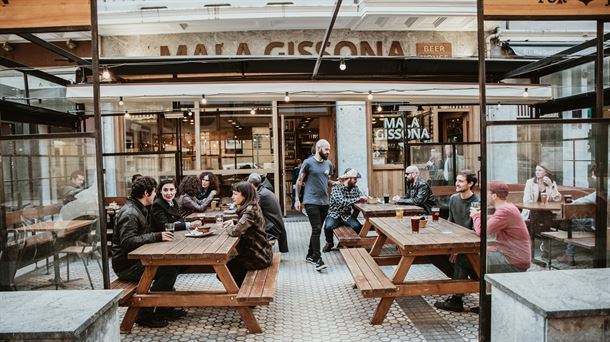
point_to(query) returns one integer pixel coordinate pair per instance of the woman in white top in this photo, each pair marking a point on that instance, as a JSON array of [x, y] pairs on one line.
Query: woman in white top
[[542, 183]]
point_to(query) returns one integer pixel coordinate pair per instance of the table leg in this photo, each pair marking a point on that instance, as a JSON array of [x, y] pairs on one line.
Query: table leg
[[399, 276], [378, 245], [402, 269], [475, 262], [231, 287], [143, 287], [382, 310], [365, 228]]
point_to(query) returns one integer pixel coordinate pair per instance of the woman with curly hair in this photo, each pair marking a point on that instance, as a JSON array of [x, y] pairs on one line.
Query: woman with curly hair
[[253, 250], [188, 201], [208, 188]]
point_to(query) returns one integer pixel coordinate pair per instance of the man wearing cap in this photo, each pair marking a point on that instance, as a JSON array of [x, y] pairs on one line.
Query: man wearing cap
[[418, 191], [340, 212], [270, 206]]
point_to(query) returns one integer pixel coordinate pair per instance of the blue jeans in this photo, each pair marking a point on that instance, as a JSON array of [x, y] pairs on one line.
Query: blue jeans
[[332, 223]]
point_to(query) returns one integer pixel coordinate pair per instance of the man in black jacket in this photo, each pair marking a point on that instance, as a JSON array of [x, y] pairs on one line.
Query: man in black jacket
[[270, 206], [132, 230], [418, 191]]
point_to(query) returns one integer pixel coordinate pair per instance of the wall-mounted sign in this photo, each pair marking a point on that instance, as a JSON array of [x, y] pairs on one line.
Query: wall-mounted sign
[[394, 128], [555, 9], [439, 50]]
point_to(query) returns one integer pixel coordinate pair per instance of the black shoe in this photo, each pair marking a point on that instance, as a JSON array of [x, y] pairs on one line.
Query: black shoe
[[151, 320], [319, 265], [474, 310], [327, 247], [310, 260], [450, 304], [170, 314]]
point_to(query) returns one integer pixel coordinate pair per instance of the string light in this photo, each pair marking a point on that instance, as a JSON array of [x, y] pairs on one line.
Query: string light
[[370, 96], [286, 97], [121, 102], [106, 73], [342, 65], [127, 115], [525, 94], [379, 109], [252, 111], [499, 105], [190, 113], [203, 99]]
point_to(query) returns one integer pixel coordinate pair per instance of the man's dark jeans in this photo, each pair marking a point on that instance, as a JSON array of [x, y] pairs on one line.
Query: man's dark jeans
[[316, 215], [164, 279], [332, 223]]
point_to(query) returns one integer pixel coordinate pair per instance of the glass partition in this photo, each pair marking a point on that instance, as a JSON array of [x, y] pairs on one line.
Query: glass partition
[[119, 170], [549, 170], [49, 212], [439, 163]]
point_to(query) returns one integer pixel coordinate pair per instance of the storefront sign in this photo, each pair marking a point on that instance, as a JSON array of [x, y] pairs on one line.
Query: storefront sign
[[434, 50], [574, 9], [394, 129]]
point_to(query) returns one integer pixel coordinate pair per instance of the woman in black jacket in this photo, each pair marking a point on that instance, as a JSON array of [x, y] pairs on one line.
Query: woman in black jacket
[[165, 209], [208, 186]]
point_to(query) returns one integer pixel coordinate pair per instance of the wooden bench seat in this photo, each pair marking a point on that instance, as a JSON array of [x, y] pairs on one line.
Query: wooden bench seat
[[349, 238], [582, 239], [128, 287], [259, 285], [370, 279]]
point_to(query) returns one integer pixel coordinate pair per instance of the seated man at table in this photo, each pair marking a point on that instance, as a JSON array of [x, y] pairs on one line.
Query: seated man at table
[[459, 213], [340, 211], [131, 231], [270, 206], [418, 191], [74, 187]]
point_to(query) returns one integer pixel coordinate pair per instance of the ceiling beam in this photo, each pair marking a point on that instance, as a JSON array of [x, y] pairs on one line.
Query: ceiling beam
[[55, 49], [326, 36], [9, 63]]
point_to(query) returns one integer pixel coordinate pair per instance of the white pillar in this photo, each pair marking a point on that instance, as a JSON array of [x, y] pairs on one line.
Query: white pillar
[[351, 139]]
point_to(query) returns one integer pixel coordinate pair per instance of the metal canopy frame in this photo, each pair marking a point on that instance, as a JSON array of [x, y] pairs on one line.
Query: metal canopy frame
[[54, 48], [9, 63]]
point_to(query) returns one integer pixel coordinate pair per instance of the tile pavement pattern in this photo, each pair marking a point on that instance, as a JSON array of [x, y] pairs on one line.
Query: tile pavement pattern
[[309, 306]]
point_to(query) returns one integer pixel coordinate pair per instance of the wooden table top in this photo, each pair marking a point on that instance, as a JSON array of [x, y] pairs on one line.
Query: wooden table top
[[56, 226], [539, 206], [387, 209], [439, 234], [208, 215], [216, 246]]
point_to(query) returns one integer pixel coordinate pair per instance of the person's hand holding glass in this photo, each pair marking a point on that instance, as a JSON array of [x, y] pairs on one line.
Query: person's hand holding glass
[[475, 208]]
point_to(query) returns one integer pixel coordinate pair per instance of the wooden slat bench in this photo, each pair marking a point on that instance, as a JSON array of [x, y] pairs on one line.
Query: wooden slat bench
[[369, 278], [259, 285], [128, 287], [349, 238]]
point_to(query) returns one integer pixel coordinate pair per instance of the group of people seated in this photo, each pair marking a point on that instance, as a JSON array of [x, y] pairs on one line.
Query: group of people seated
[[141, 221]]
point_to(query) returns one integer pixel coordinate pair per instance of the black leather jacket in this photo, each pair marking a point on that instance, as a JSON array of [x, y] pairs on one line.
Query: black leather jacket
[[161, 213], [419, 194], [131, 230]]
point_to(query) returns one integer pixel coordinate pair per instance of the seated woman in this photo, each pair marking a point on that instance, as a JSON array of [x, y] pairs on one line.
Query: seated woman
[[543, 183], [254, 252], [208, 187], [188, 201], [165, 209]]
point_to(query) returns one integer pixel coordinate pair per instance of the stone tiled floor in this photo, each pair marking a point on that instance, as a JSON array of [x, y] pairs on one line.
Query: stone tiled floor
[[309, 306]]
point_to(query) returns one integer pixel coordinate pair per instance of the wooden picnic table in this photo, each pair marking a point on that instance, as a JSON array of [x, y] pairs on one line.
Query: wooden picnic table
[[539, 206], [56, 228], [212, 251], [381, 210], [209, 216], [441, 237]]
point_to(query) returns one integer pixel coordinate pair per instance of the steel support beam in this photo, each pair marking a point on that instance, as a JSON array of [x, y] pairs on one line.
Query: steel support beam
[[55, 49], [9, 63], [325, 41]]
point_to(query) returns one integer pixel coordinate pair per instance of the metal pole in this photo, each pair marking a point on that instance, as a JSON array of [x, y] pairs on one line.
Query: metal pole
[[325, 40], [484, 299], [99, 162]]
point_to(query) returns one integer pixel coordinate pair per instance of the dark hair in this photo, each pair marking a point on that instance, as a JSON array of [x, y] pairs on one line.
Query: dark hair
[[165, 181], [471, 177], [211, 178], [189, 185], [248, 191], [546, 169], [76, 173], [142, 185], [134, 177]]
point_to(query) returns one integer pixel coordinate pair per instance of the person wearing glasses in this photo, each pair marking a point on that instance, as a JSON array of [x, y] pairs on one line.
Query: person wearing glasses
[[418, 191]]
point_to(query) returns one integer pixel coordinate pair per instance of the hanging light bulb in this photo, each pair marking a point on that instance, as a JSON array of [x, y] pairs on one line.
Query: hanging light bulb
[[342, 65], [121, 102], [203, 99], [127, 115], [190, 113], [379, 109], [252, 111], [286, 97], [499, 105], [370, 96], [525, 94], [106, 73]]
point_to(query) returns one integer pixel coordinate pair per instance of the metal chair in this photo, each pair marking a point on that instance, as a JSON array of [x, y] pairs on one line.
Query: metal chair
[[83, 249]]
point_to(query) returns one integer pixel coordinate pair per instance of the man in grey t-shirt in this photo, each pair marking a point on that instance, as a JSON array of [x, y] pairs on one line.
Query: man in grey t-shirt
[[459, 213], [315, 175]]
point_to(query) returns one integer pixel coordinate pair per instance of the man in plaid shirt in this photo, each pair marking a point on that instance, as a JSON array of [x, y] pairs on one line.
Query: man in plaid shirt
[[340, 211]]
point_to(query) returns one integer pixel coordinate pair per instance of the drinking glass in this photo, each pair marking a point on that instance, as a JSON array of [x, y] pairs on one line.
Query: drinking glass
[[219, 218], [399, 213], [415, 224], [475, 205], [213, 205], [386, 198], [436, 213], [544, 198], [169, 227]]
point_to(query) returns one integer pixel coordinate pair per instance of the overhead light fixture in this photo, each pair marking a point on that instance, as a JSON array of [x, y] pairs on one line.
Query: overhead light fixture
[[499, 105], [121, 102], [106, 73], [190, 113], [6, 47], [379, 109], [217, 5], [203, 99], [370, 96], [127, 115], [525, 93], [280, 3], [342, 65], [71, 44], [286, 97], [252, 111]]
